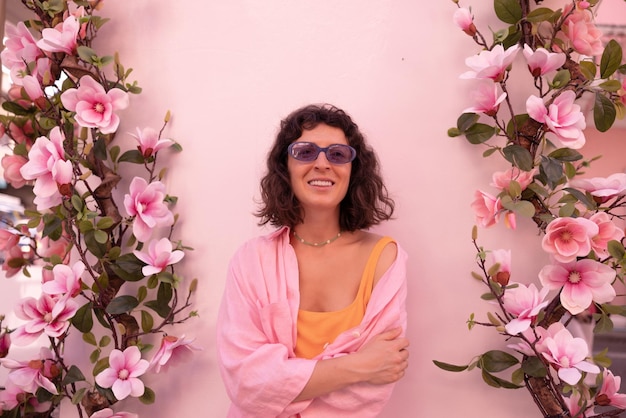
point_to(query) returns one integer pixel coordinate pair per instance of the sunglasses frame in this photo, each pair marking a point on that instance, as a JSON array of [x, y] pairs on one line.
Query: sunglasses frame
[[321, 149]]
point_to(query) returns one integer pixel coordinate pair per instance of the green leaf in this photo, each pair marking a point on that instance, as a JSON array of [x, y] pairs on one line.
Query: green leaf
[[100, 236], [611, 85], [122, 304], [162, 310], [582, 197], [147, 322], [104, 341], [128, 268], [114, 152], [561, 78], [102, 364], [93, 245], [78, 396], [552, 170], [142, 293], [14, 108], [519, 156], [540, 14], [533, 366], [86, 54], [603, 113], [588, 69], [565, 154], [479, 133], [466, 120], [83, 320], [449, 367], [508, 11], [95, 355], [73, 375], [611, 59], [603, 323], [132, 156], [495, 361], [89, 338], [105, 223], [148, 396], [616, 249]]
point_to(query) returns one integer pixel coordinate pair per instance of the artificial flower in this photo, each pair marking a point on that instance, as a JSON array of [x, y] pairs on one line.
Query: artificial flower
[[486, 99], [563, 118], [608, 392], [567, 354], [158, 256], [20, 49], [502, 258], [502, 179], [122, 375], [33, 374], [66, 280], [602, 189], [13, 396], [45, 315], [491, 64], [61, 38], [108, 413], [14, 260], [5, 343], [541, 61], [8, 239], [150, 142], [567, 238], [464, 20], [95, 107], [145, 202], [607, 231], [172, 350], [580, 31], [525, 302], [582, 282], [486, 208], [12, 164]]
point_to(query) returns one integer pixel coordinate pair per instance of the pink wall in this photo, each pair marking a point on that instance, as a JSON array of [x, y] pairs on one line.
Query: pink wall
[[229, 70]]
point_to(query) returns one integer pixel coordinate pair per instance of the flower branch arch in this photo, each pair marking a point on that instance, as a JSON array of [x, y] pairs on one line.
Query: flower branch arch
[[108, 256]]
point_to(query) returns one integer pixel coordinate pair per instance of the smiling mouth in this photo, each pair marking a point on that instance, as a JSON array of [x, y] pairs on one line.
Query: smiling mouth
[[323, 183]]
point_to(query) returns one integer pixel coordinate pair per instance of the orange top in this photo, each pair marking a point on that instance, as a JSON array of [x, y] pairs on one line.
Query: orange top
[[318, 329]]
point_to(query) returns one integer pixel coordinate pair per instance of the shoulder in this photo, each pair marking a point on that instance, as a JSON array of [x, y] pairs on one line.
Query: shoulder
[[388, 253], [261, 245]]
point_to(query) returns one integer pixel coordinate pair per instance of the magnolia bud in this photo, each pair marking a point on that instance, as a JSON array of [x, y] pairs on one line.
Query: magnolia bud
[[5, 344]]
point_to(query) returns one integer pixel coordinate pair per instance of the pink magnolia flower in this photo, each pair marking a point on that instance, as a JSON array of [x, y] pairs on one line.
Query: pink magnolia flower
[[12, 396], [122, 375], [172, 350], [581, 33], [574, 404], [32, 87], [541, 61], [61, 38], [607, 231], [583, 282], [602, 188], [568, 238], [108, 413], [21, 133], [33, 374], [525, 303], [66, 280], [5, 344], [59, 247], [12, 164], [46, 160], [146, 203], [486, 208], [567, 354], [95, 107], [20, 49], [464, 20], [14, 260], [8, 239], [503, 259], [537, 335], [158, 256], [486, 99], [491, 64], [45, 315], [502, 179], [608, 392], [149, 142], [563, 118]]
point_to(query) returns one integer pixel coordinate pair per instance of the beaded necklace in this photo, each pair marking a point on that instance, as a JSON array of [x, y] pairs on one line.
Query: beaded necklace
[[316, 244]]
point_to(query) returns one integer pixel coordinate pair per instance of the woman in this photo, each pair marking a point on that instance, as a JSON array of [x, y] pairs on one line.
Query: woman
[[313, 316]]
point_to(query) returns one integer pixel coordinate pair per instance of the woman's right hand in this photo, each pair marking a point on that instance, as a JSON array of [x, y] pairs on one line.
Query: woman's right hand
[[384, 358]]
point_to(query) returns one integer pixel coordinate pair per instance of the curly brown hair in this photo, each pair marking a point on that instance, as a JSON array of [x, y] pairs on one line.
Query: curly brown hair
[[367, 201]]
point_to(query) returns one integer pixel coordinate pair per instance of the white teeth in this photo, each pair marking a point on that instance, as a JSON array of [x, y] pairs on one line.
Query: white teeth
[[324, 183]]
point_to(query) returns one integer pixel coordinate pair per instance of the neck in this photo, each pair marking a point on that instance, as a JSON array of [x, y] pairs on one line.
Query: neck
[[316, 243]]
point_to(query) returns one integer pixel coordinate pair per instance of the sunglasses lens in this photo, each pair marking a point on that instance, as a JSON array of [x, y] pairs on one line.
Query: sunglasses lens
[[304, 151], [308, 151], [340, 154]]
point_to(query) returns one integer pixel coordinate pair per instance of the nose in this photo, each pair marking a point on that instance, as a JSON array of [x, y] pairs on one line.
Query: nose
[[321, 161]]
